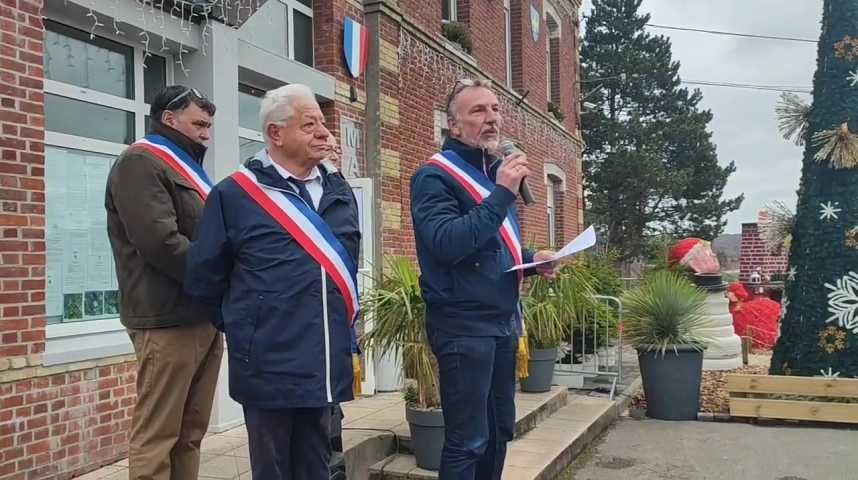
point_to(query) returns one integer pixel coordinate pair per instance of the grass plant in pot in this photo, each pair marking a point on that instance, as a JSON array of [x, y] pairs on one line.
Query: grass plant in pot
[[397, 311], [549, 309], [664, 321]]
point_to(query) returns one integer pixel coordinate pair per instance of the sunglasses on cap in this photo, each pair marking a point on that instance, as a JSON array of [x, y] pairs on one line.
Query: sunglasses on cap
[[462, 84], [182, 95]]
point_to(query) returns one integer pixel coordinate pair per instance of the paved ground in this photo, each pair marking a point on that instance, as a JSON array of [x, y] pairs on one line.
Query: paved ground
[[652, 449]]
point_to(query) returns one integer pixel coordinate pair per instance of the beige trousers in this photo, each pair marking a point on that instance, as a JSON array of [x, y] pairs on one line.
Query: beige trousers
[[177, 370]]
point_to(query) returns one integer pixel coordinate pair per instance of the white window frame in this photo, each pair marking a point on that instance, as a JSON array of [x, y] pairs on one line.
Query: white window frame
[[291, 6], [552, 212], [454, 13], [508, 41], [549, 11], [90, 339]]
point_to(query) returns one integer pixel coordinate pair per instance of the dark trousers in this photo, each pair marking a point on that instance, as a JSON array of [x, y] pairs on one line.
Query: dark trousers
[[289, 444], [478, 399]]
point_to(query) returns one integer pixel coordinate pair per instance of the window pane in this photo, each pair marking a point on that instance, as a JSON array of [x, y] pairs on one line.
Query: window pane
[[267, 28], [308, 3], [98, 64], [81, 276], [248, 148], [249, 101], [154, 77], [445, 10], [65, 115], [303, 38]]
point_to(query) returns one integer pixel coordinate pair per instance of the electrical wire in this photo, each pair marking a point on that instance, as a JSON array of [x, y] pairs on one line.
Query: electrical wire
[[732, 34]]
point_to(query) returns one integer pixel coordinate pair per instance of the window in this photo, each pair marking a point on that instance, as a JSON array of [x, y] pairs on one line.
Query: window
[[250, 139], [555, 186], [552, 214], [96, 95], [284, 28], [448, 11], [442, 128], [508, 32], [552, 55]]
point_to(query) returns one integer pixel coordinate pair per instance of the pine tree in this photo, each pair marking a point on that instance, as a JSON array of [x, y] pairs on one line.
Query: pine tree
[[650, 165], [819, 330]]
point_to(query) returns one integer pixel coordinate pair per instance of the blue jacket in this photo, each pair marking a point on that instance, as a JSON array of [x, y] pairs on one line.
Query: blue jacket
[[462, 256], [269, 291]]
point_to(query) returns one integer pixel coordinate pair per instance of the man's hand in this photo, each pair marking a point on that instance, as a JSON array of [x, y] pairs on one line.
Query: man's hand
[[547, 270], [512, 170]]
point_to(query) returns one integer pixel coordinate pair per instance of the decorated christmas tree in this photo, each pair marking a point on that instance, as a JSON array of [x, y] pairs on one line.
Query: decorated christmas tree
[[819, 330]]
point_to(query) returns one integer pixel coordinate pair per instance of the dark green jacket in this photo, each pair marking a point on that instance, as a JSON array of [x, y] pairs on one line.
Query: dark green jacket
[[152, 213]]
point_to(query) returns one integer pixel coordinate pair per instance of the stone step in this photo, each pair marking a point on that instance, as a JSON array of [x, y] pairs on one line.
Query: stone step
[[539, 454], [375, 427]]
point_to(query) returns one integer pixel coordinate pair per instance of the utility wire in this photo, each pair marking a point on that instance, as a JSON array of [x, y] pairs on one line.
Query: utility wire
[[749, 86], [734, 34]]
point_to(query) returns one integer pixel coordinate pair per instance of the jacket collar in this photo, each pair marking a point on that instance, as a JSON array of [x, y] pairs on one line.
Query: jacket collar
[[334, 185], [196, 150], [478, 157]]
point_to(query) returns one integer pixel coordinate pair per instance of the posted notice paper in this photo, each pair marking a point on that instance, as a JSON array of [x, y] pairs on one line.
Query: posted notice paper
[[579, 243]]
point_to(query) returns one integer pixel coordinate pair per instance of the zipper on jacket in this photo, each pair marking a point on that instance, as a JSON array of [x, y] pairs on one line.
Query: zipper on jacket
[[327, 335]]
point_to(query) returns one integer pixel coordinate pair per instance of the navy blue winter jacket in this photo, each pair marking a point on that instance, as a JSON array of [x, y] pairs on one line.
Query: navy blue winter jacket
[[462, 256], [281, 353]]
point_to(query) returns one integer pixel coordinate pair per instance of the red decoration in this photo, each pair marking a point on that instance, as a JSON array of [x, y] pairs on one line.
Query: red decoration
[[760, 314]]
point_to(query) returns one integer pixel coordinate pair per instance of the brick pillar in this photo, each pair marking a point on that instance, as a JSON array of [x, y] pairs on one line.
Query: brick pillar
[[22, 185]]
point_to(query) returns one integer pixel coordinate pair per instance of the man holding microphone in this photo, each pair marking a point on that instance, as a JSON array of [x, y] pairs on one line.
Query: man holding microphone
[[466, 229]]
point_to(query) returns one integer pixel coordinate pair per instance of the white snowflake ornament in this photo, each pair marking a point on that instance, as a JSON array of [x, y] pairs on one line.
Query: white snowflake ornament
[[853, 78], [829, 211], [791, 274], [843, 302], [829, 374]]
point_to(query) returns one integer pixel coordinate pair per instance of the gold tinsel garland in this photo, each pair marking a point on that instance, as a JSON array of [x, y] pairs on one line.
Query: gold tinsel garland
[[838, 146]]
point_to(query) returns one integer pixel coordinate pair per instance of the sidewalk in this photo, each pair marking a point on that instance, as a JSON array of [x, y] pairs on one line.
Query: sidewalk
[[225, 455]]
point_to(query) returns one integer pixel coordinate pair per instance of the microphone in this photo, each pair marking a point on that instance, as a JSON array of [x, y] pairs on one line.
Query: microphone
[[508, 148]]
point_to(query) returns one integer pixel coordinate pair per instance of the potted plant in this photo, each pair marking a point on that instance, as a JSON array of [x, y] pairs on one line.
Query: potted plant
[[665, 322], [549, 309], [397, 309], [458, 34]]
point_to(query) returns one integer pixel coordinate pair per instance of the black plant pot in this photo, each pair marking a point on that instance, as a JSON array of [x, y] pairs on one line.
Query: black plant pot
[[427, 436], [672, 382], [540, 369]]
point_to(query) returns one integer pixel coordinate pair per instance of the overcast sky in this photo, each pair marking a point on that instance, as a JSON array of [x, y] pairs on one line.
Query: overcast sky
[[744, 128]]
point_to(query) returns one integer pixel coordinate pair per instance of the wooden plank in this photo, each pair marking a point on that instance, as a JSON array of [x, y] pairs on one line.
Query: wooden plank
[[787, 385], [794, 410]]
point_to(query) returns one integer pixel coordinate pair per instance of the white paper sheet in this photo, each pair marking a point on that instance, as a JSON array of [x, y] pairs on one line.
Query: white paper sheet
[[579, 243]]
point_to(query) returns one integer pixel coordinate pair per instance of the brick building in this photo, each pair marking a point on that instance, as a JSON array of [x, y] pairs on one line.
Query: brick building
[[755, 254], [75, 81]]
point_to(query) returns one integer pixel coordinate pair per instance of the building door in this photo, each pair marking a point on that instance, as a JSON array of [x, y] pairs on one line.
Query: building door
[[362, 188]]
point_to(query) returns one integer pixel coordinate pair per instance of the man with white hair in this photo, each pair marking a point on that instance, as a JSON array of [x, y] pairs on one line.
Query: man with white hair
[[276, 252]]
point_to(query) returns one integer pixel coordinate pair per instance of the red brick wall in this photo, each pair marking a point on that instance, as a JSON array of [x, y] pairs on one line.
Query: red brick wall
[[528, 57], [22, 185], [569, 71], [488, 34], [754, 254], [426, 14], [65, 424]]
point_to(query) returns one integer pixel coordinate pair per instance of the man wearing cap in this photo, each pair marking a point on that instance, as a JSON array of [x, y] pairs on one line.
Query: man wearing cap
[[155, 195]]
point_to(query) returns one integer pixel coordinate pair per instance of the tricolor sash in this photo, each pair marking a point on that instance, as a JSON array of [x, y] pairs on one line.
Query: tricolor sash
[[177, 159], [478, 185], [310, 231]]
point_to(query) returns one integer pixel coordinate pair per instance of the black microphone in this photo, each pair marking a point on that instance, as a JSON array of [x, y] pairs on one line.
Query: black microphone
[[508, 148]]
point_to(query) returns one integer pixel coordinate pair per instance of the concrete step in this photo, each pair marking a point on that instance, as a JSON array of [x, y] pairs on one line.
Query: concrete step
[[539, 454]]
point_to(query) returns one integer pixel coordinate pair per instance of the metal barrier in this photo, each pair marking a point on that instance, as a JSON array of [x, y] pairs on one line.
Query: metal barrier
[[600, 354]]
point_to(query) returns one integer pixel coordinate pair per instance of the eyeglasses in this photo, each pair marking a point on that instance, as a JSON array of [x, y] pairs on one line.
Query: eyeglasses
[[183, 95]]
